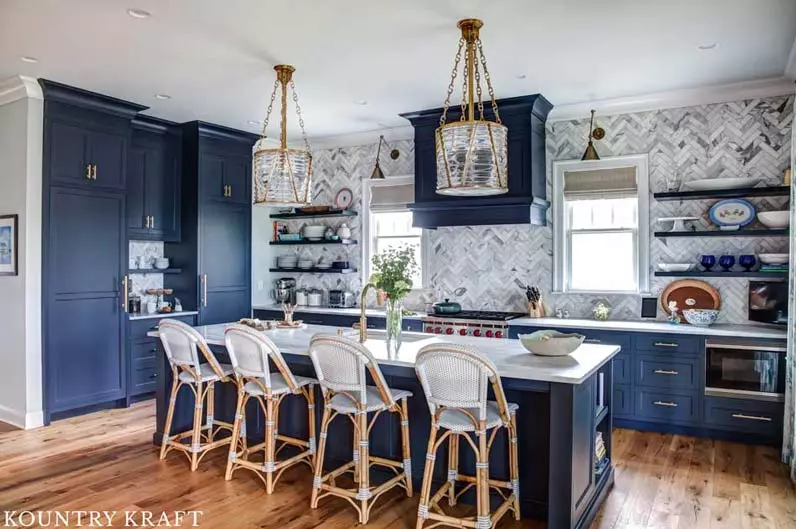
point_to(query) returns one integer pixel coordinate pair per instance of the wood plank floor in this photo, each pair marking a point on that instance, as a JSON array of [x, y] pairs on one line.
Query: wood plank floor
[[105, 461]]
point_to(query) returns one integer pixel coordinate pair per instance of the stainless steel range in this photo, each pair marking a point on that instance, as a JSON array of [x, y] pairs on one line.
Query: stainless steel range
[[479, 323]]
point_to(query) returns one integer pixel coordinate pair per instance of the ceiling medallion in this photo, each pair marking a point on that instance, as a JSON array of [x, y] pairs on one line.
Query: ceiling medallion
[[472, 154], [282, 176]]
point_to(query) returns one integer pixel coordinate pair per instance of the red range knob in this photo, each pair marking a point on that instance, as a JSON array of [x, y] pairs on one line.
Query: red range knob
[[463, 332], [430, 330], [477, 332], [437, 330], [499, 334], [489, 334], [448, 331]]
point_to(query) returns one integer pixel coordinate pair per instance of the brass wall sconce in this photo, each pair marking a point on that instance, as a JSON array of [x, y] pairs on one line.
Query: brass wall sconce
[[596, 133], [377, 173]]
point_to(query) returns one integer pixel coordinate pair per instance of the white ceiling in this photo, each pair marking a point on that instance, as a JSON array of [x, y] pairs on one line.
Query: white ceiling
[[215, 57]]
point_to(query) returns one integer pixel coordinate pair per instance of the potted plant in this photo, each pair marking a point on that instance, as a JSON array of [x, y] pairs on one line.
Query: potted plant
[[393, 270]]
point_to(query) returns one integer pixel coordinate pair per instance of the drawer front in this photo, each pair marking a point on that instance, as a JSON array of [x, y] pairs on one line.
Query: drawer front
[[623, 368], [670, 343], [143, 350], [661, 406], [412, 325], [267, 314], [622, 401], [664, 371], [140, 328], [764, 418], [607, 338], [144, 376]]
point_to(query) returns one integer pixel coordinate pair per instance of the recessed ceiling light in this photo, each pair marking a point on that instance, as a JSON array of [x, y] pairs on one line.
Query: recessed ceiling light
[[705, 47], [26, 58], [254, 122], [162, 96], [520, 76], [138, 13], [360, 102]]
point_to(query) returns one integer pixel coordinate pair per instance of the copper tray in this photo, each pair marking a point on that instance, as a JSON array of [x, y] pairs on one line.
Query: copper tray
[[690, 294]]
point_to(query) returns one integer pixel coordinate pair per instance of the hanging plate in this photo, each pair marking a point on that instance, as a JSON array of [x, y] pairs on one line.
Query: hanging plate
[[344, 198], [732, 213], [690, 294]]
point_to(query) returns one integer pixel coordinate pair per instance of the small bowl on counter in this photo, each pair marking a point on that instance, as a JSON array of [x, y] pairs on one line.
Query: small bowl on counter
[[701, 317], [551, 343]]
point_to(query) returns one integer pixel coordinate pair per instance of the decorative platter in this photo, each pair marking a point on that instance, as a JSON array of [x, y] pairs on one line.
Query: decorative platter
[[690, 294], [344, 198], [716, 184], [732, 213]]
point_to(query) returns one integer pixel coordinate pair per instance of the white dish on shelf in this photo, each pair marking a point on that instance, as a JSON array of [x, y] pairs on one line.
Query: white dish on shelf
[[678, 223], [717, 184], [675, 267], [774, 219], [774, 258]]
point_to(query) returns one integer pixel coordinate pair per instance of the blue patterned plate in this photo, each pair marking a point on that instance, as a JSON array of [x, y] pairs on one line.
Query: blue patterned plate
[[732, 213]]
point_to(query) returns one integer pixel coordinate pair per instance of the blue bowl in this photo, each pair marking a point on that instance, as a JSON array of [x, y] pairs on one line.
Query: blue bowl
[[701, 317]]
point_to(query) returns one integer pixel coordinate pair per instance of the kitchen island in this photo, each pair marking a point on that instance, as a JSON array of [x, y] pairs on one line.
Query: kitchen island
[[565, 406]]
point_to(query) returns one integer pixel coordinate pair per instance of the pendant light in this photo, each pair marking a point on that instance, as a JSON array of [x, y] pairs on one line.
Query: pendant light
[[282, 176], [472, 155]]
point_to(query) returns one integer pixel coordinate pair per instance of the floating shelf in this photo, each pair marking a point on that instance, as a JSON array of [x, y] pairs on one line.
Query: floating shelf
[[776, 191], [306, 241], [155, 271], [722, 233], [314, 270], [288, 216], [748, 275]]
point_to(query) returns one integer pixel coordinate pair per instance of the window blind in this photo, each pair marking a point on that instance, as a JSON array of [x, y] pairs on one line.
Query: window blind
[[601, 183], [391, 197]]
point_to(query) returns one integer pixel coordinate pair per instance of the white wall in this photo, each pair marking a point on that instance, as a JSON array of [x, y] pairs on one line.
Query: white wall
[[21, 136], [262, 258]]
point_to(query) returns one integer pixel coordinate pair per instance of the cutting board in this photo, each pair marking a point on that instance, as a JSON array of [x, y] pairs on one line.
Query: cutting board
[[690, 294]]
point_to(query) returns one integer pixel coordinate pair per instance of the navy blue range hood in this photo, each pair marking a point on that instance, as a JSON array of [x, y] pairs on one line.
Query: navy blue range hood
[[526, 201]]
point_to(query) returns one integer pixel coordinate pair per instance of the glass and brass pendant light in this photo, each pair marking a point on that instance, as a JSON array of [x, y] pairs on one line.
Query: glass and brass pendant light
[[282, 176], [471, 152]]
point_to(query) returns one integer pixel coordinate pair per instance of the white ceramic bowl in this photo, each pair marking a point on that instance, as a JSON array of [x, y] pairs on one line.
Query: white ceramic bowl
[[773, 258], [551, 343], [161, 263], [701, 317], [313, 232], [774, 219], [675, 267]]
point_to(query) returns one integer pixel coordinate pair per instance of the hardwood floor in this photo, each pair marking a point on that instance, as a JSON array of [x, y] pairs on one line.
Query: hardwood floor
[[106, 461]]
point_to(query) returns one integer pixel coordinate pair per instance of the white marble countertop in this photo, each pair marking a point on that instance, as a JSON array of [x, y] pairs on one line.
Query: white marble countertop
[[720, 329], [511, 359], [159, 316], [354, 311]]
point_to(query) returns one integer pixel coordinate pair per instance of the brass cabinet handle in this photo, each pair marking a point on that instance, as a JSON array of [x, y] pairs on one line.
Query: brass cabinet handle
[[125, 284], [751, 417], [665, 403], [204, 290], [93, 171], [88, 171], [665, 344], [152, 221], [665, 372], [146, 222], [593, 340], [230, 191]]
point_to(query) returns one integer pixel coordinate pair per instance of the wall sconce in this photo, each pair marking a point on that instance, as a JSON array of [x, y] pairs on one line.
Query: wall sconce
[[597, 133], [377, 173]]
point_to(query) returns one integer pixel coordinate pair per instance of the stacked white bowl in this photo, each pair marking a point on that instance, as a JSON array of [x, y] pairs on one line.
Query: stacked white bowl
[[306, 264], [313, 232], [286, 261]]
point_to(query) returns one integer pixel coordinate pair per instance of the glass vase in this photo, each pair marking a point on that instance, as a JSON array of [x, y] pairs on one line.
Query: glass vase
[[394, 325]]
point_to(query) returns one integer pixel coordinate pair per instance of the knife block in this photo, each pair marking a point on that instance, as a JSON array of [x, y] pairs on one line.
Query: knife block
[[536, 309]]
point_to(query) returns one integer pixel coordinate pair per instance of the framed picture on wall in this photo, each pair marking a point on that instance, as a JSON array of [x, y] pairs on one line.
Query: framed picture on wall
[[9, 244]]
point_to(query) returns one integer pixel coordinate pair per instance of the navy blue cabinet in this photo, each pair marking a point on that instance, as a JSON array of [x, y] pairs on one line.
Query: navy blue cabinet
[[153, 181], [142, 355], [215, 248]]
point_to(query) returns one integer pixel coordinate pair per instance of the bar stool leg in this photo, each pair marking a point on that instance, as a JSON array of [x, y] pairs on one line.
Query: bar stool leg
[[270, 442], [453, 467], [211, 406], [515, 464], [406, 447], [196, 437], [175, 386], [316, 483], [355, 450], [311, 418], [483, 520], [425, 491], [233, 445], [364, 466]]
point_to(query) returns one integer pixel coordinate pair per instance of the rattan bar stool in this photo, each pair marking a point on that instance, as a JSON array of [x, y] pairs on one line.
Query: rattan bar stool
[[341, 365], [182, 344], [455, 380], [250, 351]]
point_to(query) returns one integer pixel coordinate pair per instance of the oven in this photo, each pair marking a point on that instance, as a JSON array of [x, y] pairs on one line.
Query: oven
[[745, 370]]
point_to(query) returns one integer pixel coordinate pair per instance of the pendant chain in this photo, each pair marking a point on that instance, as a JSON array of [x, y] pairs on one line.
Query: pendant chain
[[300, 118], [478, 91], [454, 73], [270, 109], [488, 81]]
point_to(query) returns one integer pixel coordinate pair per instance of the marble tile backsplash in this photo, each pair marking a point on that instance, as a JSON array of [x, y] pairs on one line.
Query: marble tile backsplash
[[140, 283]]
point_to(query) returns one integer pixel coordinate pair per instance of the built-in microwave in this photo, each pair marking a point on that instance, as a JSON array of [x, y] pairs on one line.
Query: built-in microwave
[[745, 370], [768, 302]]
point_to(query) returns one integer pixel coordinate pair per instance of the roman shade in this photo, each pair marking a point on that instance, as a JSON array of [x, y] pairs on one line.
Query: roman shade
[[601, 184], [386, 197]]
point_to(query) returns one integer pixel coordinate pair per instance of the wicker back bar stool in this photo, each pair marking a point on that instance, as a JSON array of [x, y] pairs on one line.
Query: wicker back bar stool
[[251, 353], [341, 365], [456, 380], [183, 345]]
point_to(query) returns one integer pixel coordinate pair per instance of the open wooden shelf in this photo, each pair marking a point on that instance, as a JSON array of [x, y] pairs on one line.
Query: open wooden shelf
[[713, 273], [314, 270], [154, 271], [776, 191], [306, 241], [289, 216], [724, 233]]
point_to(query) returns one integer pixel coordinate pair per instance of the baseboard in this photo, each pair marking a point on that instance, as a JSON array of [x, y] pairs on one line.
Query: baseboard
[[12, 417], [34, 420]]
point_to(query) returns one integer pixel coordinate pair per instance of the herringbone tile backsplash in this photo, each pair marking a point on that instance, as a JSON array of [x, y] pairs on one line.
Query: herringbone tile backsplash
[[485, 267]]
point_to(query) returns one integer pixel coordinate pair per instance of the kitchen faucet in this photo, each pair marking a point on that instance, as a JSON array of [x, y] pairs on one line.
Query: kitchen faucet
[[363, 319]]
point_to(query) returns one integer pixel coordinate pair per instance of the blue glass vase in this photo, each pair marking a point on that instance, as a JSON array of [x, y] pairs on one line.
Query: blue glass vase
[[747, 262], [727, 262], [708, 262]]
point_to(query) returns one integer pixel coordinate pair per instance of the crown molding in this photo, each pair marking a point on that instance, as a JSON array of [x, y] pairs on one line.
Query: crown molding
[[704, 95], [19, 87], [362, 138]]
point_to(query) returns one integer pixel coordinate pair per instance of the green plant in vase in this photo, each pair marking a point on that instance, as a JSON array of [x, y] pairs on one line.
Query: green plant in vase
[[393, 270]]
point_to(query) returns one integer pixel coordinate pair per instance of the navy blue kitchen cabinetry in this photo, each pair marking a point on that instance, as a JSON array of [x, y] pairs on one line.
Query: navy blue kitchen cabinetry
[[153, 181], [86, 143], [215, 248], [142, 363]]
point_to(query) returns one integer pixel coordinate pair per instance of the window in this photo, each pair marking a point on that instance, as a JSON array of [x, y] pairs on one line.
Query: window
[[601, 213], [388, 221]]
